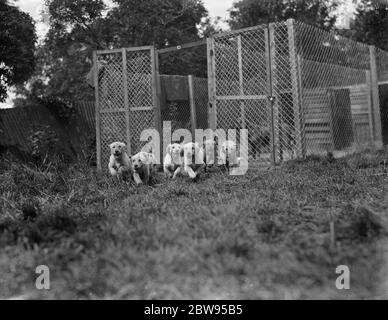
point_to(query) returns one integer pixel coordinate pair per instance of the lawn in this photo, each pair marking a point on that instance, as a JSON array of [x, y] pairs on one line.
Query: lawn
[[263, 235]]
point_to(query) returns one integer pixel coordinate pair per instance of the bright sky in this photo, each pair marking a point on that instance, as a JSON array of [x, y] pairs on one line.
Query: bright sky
[[33, 7]]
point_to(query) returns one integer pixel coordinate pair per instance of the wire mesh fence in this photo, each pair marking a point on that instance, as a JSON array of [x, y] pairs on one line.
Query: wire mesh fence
[[335, 90], [176, 103], [299, 90], [240, 86], [201, 98], [183, 104], [125, 99]]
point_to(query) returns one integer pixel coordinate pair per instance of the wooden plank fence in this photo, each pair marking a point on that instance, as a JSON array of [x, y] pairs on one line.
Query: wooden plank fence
[[17, 125]]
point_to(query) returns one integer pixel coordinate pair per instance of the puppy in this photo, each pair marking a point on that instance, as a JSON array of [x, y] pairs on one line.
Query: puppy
[[119, 162], [210, 153], [173, 161], [228, 154], [193, 159], [143, 167]]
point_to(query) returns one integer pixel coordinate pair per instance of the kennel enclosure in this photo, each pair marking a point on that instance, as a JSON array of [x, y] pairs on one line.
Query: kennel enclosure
[[299, 90]]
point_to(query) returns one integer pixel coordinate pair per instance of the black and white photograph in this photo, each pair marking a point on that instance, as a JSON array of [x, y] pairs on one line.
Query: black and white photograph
[[211, 151]]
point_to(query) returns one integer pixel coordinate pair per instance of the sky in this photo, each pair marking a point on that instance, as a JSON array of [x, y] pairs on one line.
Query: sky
[[216, 8]]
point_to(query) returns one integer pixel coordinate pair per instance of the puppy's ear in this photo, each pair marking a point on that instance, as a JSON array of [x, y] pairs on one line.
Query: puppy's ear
[[169, 148], [182, 152]]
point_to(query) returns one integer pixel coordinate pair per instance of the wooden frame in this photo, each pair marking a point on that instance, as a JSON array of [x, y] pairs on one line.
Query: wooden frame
[[97, 111], [127, 109], [182, 46], [296, 89], [126, 102], [212, 110], [157, 96], [272, 104], [241, 79], [370, 103], [193, 115], [378, 138]]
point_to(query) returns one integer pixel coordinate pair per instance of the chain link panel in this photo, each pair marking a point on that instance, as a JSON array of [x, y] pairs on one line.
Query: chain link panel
[[241, 87], [201, 102], [124, 118], [335, 90]]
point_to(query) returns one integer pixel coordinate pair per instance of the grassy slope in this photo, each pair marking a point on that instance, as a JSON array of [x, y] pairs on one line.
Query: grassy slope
[[262, 235]]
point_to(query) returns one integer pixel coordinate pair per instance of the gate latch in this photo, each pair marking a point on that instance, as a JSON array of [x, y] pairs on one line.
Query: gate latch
[[271, 98]]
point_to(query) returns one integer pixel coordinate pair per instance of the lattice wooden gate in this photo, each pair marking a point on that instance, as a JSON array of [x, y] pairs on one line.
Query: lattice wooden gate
[[254, 85], [126, 98]]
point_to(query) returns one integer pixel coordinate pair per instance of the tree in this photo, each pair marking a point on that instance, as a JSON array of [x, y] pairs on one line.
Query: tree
[[159, 22], [370, 24], [77, 27], [247, 13], [17, 45]]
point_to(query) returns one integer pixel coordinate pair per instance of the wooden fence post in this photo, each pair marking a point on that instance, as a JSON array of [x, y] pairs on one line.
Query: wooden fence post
[[378, 139], [157, 98], [370, 104], [193, 115], [126, 101], [269, 53], [241, 80], [212, 110], [97, 111], [296, 90]]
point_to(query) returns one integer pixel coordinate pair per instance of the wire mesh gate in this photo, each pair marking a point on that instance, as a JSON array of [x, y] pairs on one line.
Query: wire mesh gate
[[126, 98], [252, 87], [298, 90]]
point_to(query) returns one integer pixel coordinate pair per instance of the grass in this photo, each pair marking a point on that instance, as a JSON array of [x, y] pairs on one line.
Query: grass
[[258, 236]]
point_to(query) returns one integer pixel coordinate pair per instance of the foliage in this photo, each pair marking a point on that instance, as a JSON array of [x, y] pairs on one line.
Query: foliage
[[17, 45], [247, 13], [81, 26], [44, 142], [159, 22], [370, 25], [63, 109]]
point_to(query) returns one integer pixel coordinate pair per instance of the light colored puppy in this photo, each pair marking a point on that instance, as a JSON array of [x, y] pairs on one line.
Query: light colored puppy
[[143, 167], [193, 159], [210, 153], [228, 154], [173, 161], [119, 162]]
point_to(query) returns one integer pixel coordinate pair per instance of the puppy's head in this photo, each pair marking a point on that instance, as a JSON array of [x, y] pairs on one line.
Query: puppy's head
[[228, 147], [117, 148], [175, 149], [190, 149], [138, 160], [209, 145]]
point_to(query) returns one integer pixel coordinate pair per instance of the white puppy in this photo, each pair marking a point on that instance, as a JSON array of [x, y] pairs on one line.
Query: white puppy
[[193, 159], [119, 162], [143, 166], [173, 161], [210, 153], [228, 154]]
